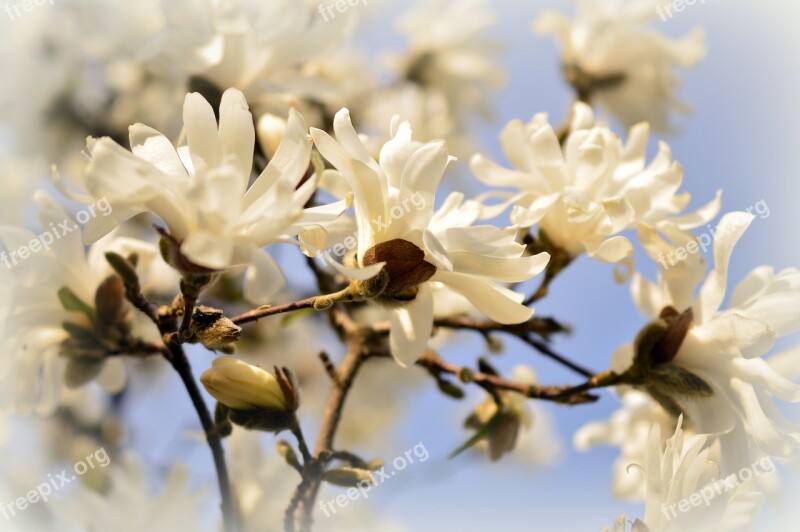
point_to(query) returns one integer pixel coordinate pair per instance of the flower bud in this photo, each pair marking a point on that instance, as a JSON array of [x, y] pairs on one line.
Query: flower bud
[[214, 330], [348, 477], [270, 129], [405, 265], [243, 387]]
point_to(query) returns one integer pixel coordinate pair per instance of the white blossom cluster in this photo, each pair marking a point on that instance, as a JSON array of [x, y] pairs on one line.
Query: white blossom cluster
[[235, 141]]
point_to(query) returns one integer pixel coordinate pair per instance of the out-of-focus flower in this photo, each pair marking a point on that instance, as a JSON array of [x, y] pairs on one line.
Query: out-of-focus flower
[[449, 53], [97, 77], [450, 62], [400, 236], [201, 190], [584, 195], [519, 427], [264, 483], [63, 314], [681, 492], [726, 348], [130, 506], [628, 429], [262, 49], [613, 58]]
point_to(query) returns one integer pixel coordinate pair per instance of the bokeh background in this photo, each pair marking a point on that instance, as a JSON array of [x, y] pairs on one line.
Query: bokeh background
[[742, 137]]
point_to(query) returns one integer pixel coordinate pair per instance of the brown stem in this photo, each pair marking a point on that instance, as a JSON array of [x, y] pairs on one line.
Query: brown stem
[[181, 364], [317, 303], [491, 383], [299, 515], [174, 353], [541, 326], [189, 303], [545, 349]]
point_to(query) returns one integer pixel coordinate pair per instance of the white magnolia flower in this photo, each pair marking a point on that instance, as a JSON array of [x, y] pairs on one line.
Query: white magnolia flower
[[399, 232], [201, 190], [684, 491], [448, 52], [97, 78], [727, 347], [447, 74], [627, 428], [613, 58], [129, 505], [261, 48], [584, 195], [34, 356]]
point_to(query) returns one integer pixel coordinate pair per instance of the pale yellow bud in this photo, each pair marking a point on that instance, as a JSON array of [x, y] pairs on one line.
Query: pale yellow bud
[[270, 133], [241, 386]]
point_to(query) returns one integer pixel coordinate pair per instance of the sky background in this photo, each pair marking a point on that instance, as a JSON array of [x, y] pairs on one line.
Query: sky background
[[741, 137]]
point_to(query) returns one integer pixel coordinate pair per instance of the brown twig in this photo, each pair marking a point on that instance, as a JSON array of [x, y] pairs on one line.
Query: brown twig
[[322, 302], [173, 352], [571, 395], [299, 515], [540, 326]]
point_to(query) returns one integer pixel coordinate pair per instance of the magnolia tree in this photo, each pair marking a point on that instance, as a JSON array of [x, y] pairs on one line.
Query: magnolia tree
[[280, 204]]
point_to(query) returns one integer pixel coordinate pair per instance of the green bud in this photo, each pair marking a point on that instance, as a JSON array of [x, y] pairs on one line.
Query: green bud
[[288, 454], [124, 268], [72, 303], [110, 302], [348, 477], [450, 389]]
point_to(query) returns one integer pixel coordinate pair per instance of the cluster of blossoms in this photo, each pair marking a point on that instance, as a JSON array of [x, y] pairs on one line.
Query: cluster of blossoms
[[267, 161]]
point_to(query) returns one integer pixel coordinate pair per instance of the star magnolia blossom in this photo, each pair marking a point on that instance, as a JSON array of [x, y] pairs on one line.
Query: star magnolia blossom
[[623, 65], [584, 195], [260, 48], [449, 53], [32, 365], [394, 207], [726, 348], [681, 470], [201, 190], [627, 428]]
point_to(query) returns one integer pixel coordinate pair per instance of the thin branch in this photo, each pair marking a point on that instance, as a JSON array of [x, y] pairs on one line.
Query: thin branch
[[299, 515], [301, 441], [546, 350], [541, 326], [173, 352], [189, 302], [492, 383], [322, 302], [181, 365], [330, 369]]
